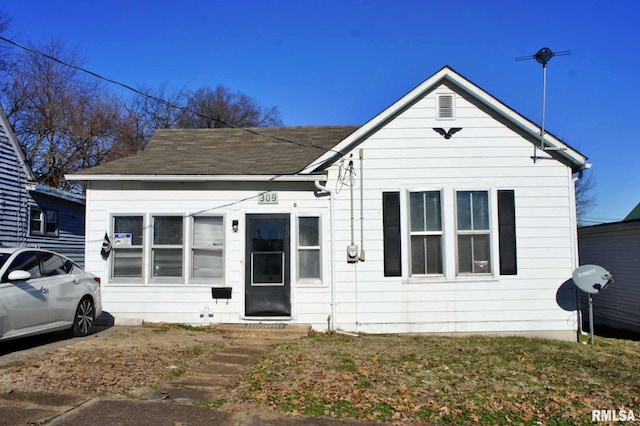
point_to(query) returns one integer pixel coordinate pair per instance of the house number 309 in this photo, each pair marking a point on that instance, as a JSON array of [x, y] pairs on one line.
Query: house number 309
[[268, 198]]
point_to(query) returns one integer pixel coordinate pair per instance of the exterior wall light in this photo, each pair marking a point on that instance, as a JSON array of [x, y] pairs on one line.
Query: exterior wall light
[[234, 225]]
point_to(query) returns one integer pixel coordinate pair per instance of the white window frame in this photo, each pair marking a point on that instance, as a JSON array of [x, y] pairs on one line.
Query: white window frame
[[44, 221], [191, 247], [115, 248], [473, 232], [449, 232], [166, 279], [298, 248], [439, 233]]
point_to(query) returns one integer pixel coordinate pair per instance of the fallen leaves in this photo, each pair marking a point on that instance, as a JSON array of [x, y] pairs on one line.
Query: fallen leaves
[[481, 380]]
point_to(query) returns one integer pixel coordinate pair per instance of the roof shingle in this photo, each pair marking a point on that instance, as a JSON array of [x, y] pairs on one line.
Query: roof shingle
[[228, 152]]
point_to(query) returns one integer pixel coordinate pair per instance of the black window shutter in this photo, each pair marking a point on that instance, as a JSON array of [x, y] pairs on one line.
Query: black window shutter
[[507, 232], [391, 234]]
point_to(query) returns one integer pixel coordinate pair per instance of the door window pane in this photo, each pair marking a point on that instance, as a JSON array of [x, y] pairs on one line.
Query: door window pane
[[267, 268], [52, 264], [26, 261], [267, 235]]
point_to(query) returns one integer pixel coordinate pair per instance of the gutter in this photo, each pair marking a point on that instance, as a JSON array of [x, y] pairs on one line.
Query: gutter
[[197, 178]]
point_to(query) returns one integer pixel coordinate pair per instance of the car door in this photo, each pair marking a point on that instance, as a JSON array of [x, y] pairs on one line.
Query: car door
[[25, 301], [64, 289]]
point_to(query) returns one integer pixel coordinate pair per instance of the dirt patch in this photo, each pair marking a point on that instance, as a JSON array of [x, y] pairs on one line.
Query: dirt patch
[[127, 363]]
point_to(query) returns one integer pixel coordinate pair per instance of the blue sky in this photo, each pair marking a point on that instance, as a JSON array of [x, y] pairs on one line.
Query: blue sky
[[342, 62]]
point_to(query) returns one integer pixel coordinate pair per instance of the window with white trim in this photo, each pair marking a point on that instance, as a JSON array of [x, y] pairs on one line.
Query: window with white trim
[[449, 233], [309, 265], [426, 232], [167, 245], [127, 246], [43, 222], [473, 232], [207, 249]]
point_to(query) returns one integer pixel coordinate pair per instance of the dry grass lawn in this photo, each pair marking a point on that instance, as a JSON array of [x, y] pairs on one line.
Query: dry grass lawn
[[416, 379]]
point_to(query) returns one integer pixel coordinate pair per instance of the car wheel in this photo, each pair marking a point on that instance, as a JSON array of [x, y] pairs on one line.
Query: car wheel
[[84, 318]]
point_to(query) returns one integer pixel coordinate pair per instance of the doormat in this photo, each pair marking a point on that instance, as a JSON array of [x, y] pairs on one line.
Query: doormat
[[270, 326]]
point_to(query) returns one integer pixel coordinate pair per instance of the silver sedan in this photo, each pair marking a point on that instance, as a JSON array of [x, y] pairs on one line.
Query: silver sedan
[[42, 292]]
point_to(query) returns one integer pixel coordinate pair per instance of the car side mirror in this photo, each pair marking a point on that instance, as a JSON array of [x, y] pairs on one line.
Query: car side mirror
[[19, 275]]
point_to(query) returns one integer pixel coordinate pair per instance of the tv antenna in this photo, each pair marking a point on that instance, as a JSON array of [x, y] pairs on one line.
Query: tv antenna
[[543, 56]]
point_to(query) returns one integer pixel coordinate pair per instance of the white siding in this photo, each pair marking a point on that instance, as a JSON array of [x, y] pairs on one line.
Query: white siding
[[405, 153]]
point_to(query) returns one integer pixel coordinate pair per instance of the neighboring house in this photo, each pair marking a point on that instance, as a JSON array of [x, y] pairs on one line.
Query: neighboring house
[[615, 247], [457, 228], [33, 214]]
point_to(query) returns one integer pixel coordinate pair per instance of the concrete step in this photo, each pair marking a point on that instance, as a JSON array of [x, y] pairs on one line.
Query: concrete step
[[277, 331]]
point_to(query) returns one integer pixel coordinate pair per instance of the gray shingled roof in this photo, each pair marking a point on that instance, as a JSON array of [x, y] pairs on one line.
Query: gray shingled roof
[[227, 151]]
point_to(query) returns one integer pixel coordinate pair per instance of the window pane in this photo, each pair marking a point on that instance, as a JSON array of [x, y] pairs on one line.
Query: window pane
[[464, 210], [52, 264], [309, 231], [35, 223], [51, 222], [416, 201], [130, 225], [127, 263], [167, 262], [208, 231], [480, 209], [465, 254], [26, 261], [207, 264], [474, 254], [267, 268], [309, 263], [432, 203], [267, 235], [426, 254], [167, 230], [481, 264]]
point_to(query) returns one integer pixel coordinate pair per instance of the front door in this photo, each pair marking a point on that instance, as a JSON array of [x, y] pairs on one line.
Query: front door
[[267, 277]]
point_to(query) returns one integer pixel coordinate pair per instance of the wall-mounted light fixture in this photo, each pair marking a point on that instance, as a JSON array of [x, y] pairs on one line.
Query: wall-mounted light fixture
[[234, 225]]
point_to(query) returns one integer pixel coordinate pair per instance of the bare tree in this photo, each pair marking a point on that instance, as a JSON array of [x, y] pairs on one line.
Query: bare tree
[[142, 115], [585, 196], [219, 106], [63, 120]]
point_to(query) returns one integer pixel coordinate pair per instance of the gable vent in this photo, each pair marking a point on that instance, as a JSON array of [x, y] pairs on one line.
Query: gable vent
[[445, 106]]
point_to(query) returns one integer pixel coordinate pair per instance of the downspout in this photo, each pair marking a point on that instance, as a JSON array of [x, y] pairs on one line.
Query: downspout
[[332, 279], [577, 254], [361, 205]]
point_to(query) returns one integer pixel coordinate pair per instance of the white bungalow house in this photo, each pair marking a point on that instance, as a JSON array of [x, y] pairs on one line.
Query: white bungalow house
[[440, 214]]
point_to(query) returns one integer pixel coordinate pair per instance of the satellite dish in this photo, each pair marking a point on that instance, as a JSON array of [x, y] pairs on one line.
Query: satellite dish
[[591, 278]]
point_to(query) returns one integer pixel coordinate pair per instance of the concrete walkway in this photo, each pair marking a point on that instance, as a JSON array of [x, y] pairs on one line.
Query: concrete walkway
[[188, 400]]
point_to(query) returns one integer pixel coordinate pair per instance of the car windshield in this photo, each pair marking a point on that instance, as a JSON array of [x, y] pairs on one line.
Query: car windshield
[[3, 258]]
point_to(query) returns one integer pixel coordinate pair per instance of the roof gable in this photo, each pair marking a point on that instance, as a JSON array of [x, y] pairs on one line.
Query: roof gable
[[457, 83], [7, 132]]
